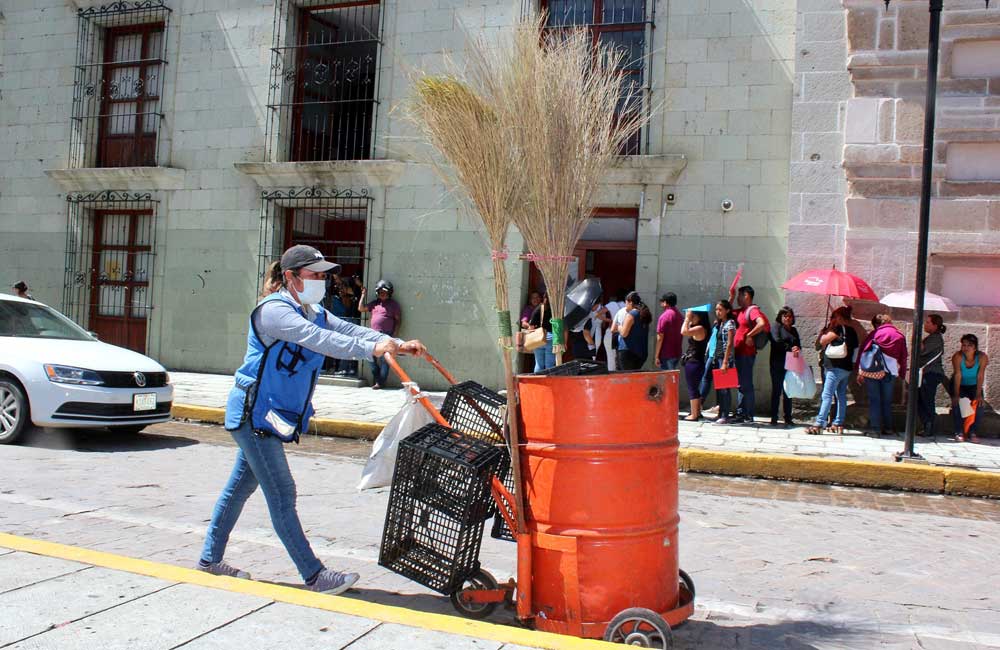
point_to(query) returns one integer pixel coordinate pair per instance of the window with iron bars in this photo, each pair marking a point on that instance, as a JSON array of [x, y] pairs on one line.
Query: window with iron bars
[[323, 91], [110, 248], [121, 50], [625, 26]]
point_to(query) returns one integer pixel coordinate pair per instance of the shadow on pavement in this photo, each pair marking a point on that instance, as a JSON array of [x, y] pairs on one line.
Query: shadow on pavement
[[789, 635], [100, 440]]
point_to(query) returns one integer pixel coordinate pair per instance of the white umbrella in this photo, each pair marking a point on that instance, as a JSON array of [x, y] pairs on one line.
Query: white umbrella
[[907, 300]]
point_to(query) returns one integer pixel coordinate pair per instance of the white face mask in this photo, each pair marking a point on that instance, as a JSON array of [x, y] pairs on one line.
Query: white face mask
[[312, 292]]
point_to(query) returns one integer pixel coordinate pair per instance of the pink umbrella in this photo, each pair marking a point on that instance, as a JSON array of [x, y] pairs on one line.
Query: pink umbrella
[[907, 300], [831, 282]]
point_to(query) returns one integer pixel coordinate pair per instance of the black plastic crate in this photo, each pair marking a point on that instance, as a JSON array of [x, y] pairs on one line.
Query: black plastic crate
[[476, 411], [438, 504], [500, 529], [576, 367]]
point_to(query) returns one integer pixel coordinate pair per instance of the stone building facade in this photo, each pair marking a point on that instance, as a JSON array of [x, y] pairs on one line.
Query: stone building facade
[[857, 136], [160, 204]]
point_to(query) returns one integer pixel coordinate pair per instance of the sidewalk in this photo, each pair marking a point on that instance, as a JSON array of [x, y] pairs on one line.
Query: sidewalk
[[760, 450], [95, 599]]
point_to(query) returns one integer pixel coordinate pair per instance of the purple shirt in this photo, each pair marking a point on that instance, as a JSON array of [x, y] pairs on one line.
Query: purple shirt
[[669, 325], [385, 315]]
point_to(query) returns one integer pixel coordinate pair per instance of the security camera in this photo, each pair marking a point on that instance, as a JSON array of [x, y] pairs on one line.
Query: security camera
[[727, 206]]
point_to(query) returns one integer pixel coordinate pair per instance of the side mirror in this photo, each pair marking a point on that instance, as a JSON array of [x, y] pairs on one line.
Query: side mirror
[[94, 335]]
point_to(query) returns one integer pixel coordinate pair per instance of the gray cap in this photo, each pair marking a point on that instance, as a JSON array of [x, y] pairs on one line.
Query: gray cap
[[301, 256]]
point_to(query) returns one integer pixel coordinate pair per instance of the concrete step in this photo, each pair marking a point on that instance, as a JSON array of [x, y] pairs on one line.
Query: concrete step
[[346, 382]]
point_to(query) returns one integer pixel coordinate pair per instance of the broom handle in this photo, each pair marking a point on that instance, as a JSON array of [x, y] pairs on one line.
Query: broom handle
[[515, 441]]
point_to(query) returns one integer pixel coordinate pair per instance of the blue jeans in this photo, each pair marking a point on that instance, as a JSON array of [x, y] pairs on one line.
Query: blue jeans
[[668, 364], [880, 402], [835, 384], [544, 358], [745, 396], [380, 371], [260, 460]]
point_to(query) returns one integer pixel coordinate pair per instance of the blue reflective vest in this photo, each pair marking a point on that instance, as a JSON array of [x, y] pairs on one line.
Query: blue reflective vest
[[275, 384]]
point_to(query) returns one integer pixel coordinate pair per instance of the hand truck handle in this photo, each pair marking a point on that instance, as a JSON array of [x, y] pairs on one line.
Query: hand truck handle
[[436, 414]]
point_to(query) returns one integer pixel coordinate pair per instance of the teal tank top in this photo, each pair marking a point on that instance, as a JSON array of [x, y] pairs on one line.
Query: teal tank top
[[970, 375]]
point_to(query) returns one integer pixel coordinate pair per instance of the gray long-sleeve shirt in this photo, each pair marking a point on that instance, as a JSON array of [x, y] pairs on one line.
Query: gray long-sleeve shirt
[[932, 354], [278, 320]]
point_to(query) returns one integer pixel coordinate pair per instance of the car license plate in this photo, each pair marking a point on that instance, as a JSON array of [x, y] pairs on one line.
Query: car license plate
[[144, 401]]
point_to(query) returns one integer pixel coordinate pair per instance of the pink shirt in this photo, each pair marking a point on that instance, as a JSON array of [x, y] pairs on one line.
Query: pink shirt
[[669, 325], [385, 315]]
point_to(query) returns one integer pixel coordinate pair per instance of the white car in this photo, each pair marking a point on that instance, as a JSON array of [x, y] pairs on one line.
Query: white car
[[55, 374]]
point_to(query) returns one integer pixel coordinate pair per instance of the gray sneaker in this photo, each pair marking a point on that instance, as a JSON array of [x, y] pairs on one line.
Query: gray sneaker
[[223, 569], [333, 582]]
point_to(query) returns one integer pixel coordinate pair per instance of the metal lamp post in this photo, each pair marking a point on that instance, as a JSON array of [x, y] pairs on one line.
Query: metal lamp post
[[920, 285]]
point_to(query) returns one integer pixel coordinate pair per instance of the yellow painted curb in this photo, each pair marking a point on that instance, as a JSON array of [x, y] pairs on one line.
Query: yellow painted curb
[[318, 426], [293, 596], [923, 478], [968, 482], [861, 473]]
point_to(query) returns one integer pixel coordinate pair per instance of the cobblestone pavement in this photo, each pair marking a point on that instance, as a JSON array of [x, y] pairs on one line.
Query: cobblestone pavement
[[776, 565], [366, 405]]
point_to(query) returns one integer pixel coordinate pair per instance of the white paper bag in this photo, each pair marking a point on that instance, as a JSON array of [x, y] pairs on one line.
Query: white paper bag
[[965, 407]]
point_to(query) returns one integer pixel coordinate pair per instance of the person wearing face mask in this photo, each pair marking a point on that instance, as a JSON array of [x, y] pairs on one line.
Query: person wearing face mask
[[270, 404]]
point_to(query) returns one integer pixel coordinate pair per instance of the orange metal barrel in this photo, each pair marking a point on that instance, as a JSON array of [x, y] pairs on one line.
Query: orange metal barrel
[[599, 464]]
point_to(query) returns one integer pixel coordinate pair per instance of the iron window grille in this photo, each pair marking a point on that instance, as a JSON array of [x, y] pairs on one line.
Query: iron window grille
[[110, 253], [118, 85], [323, 89], [626, 26], [335, 222]]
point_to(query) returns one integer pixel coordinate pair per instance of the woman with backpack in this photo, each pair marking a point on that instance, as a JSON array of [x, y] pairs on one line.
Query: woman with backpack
[[879, 379], [839, 341], [724, 346], [931, 371]]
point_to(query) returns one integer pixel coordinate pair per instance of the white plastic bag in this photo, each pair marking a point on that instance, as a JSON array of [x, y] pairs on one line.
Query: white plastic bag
[[378, 470], [800, 385]]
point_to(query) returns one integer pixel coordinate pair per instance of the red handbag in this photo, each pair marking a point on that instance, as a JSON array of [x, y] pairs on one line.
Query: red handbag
[[724, 379]]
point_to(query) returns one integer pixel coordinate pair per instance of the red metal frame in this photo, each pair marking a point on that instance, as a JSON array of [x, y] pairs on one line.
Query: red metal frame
[[139, 137]]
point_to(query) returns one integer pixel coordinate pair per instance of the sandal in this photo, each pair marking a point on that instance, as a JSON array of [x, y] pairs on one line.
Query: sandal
[[814, 430], [837, 429]]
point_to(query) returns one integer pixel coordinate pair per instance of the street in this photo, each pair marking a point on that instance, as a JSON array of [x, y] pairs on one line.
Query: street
[[776, 565]]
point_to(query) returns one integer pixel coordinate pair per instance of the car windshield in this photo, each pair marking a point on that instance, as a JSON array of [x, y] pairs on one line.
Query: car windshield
[[29, 320]]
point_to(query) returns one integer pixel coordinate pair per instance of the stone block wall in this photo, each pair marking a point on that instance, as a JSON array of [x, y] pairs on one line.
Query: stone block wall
[[879, 113]]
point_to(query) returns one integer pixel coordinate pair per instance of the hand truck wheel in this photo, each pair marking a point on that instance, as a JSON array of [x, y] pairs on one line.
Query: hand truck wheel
[[481, 579], [688, 584], [641, 627]]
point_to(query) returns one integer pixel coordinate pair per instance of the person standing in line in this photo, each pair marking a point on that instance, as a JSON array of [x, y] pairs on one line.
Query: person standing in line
[[893, 345], [668, 333], [386, 318], [21, 290], [784, 339], [969, 367], [750, 322], [839, 342], [542, 317], [270, 404], [610, 313], [633, 334], [724, 345], [695, 327], [931, 371]]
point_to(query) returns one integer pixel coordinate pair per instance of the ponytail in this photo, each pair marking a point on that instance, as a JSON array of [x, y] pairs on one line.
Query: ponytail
[[274, 279], [645, 315]]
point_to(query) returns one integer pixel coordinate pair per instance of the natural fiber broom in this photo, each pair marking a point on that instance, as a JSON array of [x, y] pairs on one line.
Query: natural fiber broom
[[559, 96]]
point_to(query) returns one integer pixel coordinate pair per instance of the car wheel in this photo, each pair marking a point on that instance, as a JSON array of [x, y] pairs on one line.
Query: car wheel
[[13, 411], [130, 430]]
